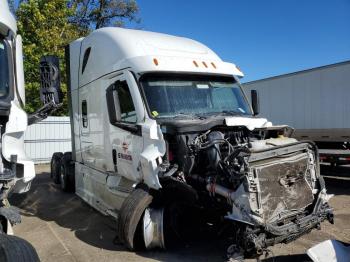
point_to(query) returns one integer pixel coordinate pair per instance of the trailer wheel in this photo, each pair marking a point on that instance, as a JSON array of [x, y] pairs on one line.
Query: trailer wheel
[[56, 167], [15, 249], [67, 173], [129, 220]]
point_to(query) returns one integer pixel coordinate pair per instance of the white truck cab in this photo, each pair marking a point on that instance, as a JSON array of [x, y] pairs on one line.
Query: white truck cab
[[16, 169], [13, 119], [161, 129]]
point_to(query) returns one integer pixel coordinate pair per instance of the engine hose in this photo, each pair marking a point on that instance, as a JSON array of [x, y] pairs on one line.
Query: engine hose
[[212, 143], [236, 153]]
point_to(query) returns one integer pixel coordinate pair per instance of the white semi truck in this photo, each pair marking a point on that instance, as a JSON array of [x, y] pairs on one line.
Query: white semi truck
[[164, 140], [16, 169]]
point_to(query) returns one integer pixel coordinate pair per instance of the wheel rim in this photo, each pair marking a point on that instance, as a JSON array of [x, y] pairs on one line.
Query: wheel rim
[[153, 232]]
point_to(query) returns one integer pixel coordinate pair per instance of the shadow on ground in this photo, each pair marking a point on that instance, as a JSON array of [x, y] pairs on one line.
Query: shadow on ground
[[50, 204], [46, 201], [289, 258], [337, 179]]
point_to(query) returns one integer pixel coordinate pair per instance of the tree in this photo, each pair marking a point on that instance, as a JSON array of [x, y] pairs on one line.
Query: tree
[[94, 14], [45, 29], [47, 26]]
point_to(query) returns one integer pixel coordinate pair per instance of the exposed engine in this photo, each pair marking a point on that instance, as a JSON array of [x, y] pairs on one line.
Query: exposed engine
[[267, 184]]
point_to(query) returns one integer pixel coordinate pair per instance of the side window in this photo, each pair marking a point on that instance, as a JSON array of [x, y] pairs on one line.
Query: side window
[[85, 59], [127, 108], [84, 113]]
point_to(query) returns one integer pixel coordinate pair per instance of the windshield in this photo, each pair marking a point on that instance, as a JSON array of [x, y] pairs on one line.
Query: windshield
[[4, 69], [170, 96]]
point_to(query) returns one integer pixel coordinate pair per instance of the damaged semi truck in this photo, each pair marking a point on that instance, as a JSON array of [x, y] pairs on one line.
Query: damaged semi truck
[[162, 133]]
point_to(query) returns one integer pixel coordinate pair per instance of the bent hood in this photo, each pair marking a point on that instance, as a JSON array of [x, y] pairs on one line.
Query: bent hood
[[250, 123]]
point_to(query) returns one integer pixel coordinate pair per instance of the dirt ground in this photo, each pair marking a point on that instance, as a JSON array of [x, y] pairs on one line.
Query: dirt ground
[[63, 228]]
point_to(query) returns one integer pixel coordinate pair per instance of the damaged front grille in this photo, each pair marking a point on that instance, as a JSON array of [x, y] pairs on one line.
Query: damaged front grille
[[284, 185]]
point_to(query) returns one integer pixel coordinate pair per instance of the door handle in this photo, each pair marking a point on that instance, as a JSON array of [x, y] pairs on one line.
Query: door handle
[[114, 156]]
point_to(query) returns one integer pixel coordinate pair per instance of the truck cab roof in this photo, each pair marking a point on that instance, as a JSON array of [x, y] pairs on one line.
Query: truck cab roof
[[111, 49], [7, 20]]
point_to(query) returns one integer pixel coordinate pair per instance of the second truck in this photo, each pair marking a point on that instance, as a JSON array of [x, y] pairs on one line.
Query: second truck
[[164, 137]]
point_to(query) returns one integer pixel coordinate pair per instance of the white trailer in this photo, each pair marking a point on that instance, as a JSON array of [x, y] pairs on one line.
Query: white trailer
[[315, 102], [164, 140]]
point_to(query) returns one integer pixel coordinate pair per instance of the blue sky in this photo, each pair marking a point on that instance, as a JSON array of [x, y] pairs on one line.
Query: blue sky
[[264, 38]]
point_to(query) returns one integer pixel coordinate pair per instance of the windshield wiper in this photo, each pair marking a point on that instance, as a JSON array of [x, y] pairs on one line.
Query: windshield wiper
[[231, 113], [224, 113], [184, 115]]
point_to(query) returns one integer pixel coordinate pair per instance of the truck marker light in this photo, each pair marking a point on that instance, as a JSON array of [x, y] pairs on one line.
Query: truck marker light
[[205, 64], [155, 61], [195, 63], [213, 65]]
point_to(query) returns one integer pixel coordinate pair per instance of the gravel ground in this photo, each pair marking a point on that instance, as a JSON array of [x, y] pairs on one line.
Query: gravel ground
[[63, 228]]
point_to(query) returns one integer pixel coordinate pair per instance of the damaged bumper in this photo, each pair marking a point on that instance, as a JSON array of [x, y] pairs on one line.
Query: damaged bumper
[[282, 197]]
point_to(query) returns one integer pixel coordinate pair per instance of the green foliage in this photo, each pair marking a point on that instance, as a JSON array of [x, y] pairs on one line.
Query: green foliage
[[94, 14], [45, 29], [47, 26]]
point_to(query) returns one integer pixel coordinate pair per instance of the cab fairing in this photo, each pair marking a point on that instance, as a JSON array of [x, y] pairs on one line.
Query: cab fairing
[[113, 49]]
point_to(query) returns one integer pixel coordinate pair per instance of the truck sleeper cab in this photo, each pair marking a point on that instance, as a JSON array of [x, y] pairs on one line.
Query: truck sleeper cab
[[161, 124]]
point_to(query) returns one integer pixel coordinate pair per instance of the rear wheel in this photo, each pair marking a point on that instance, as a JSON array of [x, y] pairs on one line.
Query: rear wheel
[[56, 167], [15, 249], [67, 173]]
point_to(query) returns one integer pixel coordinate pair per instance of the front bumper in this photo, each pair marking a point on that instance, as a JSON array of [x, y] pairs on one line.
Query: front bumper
[[286, 196]]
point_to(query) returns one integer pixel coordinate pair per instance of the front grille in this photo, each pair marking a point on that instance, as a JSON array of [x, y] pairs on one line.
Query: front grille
[[284, 185]]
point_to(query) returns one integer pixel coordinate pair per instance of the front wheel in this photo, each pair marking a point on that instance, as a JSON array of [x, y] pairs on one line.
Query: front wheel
[[129, 220]]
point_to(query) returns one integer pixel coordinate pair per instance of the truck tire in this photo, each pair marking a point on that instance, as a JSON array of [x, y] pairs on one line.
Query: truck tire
[[67, 173], [130, 216], [15, 249], [56, 167]]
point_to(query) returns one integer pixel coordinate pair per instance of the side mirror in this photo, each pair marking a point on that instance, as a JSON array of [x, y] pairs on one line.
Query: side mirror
[[50, 80], [255, 102], [113, 104]]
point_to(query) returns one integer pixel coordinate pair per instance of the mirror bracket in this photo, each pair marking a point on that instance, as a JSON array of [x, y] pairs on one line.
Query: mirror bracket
[[50, 80], [50, 89]]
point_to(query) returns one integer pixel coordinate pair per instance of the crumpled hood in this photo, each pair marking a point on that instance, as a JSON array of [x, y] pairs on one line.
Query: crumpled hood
[[250, 123]]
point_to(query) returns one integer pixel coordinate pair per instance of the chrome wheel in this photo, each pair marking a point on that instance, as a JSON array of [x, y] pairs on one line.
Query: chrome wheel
[[153, 230]]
